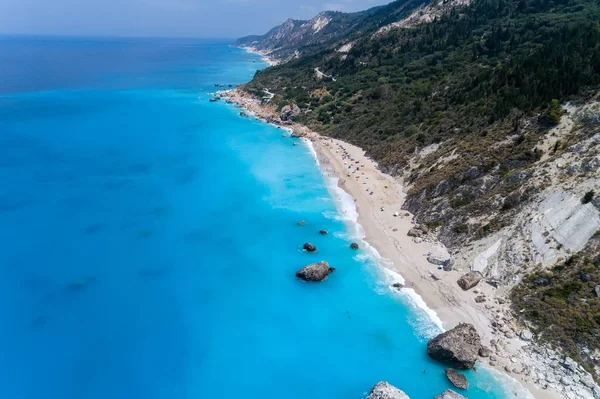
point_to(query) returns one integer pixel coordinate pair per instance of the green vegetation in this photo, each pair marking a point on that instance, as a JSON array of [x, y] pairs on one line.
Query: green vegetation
[[588, 197], [466, 79], [553, 113], [562, 305]]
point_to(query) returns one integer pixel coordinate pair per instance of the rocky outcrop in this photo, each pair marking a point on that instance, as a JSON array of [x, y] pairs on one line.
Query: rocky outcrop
[[457, 348], [485, 352], [315, 271], [469, 280], [449, 394], [418, 231], [288, 112], [308, 247], [441, 260], [384, 390], [457, 379]]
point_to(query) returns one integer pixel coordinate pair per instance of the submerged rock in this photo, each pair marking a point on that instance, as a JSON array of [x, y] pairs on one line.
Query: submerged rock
[[457, 348], [457, 379], [449, 394], [384, 390], [308, 247], [315, 271], [354, 246], [323, 232], [469, 280], [398, 286]]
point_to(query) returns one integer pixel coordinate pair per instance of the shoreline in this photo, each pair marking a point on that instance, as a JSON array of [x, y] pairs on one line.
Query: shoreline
[[264, 55], [387, 235]]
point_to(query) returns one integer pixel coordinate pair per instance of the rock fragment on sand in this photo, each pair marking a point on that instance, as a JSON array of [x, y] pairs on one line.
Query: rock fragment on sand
[[480, 299], [485, 351], [315, 271], [469, 280], [526, 335], [384, 390], [457, 379], [437, 259], [308, 247], [416, 232], [458, 347], [449, 394], [354, 246]]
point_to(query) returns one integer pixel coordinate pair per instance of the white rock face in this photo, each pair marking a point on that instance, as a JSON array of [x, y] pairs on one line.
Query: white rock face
[[564, 219], [319, 23], [481, 261]]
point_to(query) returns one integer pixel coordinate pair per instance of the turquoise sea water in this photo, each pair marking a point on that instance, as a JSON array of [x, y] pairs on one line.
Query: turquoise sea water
[[149, 240]]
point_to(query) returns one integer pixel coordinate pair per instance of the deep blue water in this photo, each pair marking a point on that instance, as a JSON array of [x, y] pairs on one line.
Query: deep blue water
[[148, 240]]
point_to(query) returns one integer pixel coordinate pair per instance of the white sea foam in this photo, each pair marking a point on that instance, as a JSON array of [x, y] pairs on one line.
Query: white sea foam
[[512, 387], [428, 322]]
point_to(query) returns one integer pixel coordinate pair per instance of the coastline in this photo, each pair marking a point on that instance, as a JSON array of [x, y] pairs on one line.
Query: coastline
[[263, 54], [387, 234]]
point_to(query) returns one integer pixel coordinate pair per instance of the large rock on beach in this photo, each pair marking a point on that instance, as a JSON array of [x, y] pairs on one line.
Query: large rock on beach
[[289, 111], [449, 394], [315, 271], [457, 379], [469, 280], [308, 247], [384, 390], [417, 231], [458, 347]]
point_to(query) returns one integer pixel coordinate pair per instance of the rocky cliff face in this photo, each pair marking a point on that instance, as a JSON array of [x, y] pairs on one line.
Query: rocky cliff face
[[295, 37]]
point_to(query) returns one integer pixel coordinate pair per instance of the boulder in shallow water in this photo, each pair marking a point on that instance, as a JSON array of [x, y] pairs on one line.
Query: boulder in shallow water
[[457, 379], [323, 232], [469, 280], [308, 247], [457, 347], [384, 390], [449, 394], [315, 271], [398, 286], [354, 246]]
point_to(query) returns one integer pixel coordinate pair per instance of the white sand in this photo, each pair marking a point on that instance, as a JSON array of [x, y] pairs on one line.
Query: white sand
[[388, 233]]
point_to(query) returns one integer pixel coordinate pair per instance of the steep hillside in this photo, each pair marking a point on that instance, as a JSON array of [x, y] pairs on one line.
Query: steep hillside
[[489, 113], [295, 37]]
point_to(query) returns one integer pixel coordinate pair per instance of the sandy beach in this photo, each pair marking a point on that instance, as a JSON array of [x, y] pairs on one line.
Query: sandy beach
[[379, 198]]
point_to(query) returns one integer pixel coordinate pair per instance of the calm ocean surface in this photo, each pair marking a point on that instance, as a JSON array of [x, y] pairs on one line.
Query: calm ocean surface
[[148, 240]]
